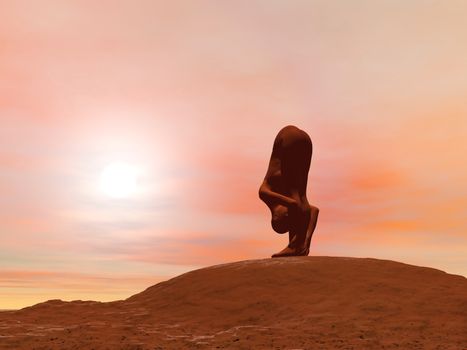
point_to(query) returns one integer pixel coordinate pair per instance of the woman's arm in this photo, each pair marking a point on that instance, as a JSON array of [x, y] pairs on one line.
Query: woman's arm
[[270, 197], [267, 195]]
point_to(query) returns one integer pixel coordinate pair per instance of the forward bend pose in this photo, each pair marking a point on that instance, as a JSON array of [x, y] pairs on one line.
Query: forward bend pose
[[284, 190]]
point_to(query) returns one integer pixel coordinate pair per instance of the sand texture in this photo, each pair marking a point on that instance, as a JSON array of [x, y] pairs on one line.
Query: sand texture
[[284, 303]]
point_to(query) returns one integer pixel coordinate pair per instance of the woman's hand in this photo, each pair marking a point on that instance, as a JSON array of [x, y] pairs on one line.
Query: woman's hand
[[298, 210], [273, 198], [293, 204]]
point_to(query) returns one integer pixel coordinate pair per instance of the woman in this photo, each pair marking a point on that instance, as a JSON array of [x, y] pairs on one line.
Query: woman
[[284, 190]]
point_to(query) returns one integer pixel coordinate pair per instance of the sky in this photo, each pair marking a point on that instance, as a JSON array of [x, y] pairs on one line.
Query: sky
[[192, 95]]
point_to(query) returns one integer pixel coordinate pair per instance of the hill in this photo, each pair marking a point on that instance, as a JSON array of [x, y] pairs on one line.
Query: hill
[[286, 303]]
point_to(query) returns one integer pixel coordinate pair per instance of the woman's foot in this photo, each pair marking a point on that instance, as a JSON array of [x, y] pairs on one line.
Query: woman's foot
[[288, 251], [294, 248]]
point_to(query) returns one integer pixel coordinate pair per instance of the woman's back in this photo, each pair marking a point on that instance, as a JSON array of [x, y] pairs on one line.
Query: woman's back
[[293, 149]]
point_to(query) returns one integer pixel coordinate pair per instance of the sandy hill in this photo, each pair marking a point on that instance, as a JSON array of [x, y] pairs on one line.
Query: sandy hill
[[285, 303]]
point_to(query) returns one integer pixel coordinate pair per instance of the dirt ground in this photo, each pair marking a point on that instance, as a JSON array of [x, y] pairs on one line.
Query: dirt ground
[[285, 303]]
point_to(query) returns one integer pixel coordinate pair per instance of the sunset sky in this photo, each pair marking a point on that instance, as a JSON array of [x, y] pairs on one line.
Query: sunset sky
[[191, 95]]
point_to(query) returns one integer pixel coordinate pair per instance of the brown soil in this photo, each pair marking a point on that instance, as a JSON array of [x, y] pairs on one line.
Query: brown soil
[[284, 303]]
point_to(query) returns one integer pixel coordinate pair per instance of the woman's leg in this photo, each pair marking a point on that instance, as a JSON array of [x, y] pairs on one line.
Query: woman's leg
[[296, 150]]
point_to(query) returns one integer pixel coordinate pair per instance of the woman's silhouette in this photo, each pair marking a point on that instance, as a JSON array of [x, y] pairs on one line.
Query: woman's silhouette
[[284, 190]]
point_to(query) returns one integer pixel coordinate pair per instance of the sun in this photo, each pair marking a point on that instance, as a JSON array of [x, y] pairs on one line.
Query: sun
[[119, 180]]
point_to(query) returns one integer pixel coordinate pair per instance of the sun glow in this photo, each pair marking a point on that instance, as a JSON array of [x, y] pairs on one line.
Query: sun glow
[[119, 180]]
